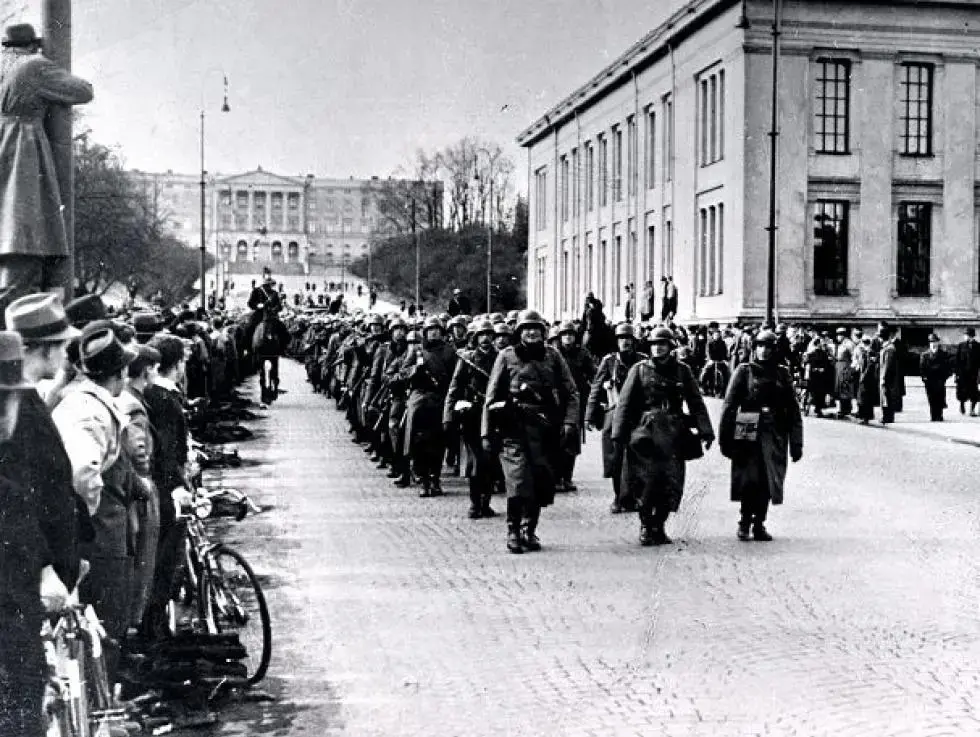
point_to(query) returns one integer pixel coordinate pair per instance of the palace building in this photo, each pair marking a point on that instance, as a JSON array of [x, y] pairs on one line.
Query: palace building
[[659, 166], [306, 229]]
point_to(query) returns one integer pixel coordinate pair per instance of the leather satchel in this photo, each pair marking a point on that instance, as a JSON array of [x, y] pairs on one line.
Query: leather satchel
[[689, 446], [746, 426]]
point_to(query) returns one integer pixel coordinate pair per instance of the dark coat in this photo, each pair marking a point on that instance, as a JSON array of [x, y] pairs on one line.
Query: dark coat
[[967, 370], [540, 395], [755, 387], [935, 368], [469, 384], [582, 365], [868, 394], [606, 386], [428, 369], [892, 384], [22, 556], [649, 420], [35, 460], [165, 409]]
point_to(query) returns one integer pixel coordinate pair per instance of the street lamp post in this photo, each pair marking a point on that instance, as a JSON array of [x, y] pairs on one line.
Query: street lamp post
[[773, 138], [418, 252], [489, 219], [224, 108]]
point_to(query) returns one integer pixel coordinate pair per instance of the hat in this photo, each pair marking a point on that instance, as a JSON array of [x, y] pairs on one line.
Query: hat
[[100, 352], [82, 311], [933, 338], [21, 35], [456, 291], [765, 337], [969, 332], [146, 324], [842, 331], [170, 347], [12, 362], [39, 318], [145, 356]]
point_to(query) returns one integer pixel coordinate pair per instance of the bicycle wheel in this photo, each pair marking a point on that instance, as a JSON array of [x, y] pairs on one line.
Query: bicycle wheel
[[232, 601]]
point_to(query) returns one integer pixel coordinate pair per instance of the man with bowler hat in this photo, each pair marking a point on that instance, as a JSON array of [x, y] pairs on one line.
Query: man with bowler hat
[[33, 239]]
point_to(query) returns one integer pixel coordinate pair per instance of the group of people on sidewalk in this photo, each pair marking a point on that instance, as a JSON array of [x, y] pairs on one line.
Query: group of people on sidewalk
[[93, 450]]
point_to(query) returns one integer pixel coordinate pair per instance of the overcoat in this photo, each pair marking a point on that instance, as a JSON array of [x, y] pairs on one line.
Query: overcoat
[[891, 379], [470, 384], [428, 368], [766, 388], [613, 369], [934, 367], [967, 370], [844, 371], [865, 364], [649, 420], [583, 368], [31, 222], [541, 393]]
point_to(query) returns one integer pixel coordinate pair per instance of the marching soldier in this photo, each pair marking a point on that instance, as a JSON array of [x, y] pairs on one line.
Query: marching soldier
[[650, 426], [603, 398], [582, 365], [464, 409], [502, 335], [428, 371], [532, 409]]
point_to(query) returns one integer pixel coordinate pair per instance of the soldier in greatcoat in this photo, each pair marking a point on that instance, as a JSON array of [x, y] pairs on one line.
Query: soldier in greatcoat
[[603, 397], [649, 423], [935, 369], [532, 409], [463, 410], [760, 421], [582, 365], [428, 371]]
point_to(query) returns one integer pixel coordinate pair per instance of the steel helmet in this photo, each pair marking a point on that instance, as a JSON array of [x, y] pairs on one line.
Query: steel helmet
[[481, 326], [765, 337], [662, 335], [497, 317], [530, 318], [397, 322], [375, 320], [433, 322], [458, 320], [625, 330], [514, 316], [502, 328], [553, 332], [567, 327]]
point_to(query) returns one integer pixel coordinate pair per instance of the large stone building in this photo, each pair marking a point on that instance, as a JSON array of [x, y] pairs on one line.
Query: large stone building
[[659, 166], [306, 229]]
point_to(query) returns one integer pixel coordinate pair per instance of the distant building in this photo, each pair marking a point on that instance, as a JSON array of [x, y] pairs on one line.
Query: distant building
[[307, 230], [659, 166]]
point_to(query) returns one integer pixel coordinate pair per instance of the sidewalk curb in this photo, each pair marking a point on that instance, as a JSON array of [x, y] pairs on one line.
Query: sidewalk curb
[[900, 428]]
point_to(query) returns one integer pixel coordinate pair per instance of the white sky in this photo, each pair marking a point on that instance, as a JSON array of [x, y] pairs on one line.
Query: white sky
[[336, 87]]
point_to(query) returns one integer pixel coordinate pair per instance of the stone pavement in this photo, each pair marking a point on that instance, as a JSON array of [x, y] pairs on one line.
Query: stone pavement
[[396, 616]]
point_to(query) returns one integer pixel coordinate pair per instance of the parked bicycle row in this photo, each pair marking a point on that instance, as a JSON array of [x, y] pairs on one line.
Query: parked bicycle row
[[109, 424]]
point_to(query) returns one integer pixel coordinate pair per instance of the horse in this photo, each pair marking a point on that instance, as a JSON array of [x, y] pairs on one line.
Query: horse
[[269, 340]]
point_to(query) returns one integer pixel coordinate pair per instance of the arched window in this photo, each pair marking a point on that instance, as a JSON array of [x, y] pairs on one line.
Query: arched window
[[242, 248], [277, 251], [293, 251]]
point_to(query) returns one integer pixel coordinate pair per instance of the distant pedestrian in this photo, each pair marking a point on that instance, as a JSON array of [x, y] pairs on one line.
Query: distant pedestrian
[[890, 377], [647, 303], [967, 371], [935, 369]]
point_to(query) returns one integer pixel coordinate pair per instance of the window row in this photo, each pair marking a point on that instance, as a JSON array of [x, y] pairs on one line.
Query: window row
[[711, 260], [831, 242], [832, 107]]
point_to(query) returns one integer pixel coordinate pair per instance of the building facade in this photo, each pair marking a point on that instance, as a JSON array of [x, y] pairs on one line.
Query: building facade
[[659, 166], [306, 230]]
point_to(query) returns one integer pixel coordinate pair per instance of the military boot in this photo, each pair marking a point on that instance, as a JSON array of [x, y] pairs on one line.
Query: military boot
[[743, 529], [529, 528], [485, 509], [760, 533], [404, 480], [659, 533], [646, 531], [515, 543]]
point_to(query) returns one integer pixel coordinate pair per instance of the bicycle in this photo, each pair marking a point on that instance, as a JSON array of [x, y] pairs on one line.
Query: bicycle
[[220, 587]]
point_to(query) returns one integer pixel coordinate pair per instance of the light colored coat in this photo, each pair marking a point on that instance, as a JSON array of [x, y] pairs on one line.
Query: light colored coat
[[31, 221]]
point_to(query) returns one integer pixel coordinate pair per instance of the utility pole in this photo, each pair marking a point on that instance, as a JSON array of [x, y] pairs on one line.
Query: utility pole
[[773, 138], [56, 31], [418, 267]]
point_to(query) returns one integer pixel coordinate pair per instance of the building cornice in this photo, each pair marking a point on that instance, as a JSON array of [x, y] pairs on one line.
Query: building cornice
[[652, 47]]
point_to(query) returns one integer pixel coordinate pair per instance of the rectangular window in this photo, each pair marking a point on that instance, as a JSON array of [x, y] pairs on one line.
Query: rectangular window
[[721, 249], [668, 156], [565, 277], [914, 248], [703, 105], [576, 272], [540, 199], [618, 270], [539, 285], [589, 266], [565, 193], [831, 106], [830, 241], [712, 248], [916, 98], [603, 171], [603, 270], [651, 251], [703, 260], [576, 175], [721, 115], [667, 252], [631, 156], [589, 177], [631, 257], [617, 162], [651, 166], [713, 116]]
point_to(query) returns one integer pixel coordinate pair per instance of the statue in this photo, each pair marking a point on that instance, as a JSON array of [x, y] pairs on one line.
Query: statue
[[33, 240]]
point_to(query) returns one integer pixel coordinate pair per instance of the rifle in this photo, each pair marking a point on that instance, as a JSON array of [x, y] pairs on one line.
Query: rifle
[[464, 359]]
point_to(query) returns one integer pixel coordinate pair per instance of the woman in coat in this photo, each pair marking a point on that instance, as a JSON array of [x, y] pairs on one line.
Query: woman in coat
[[760, 420], [866, 370], [650, 424]]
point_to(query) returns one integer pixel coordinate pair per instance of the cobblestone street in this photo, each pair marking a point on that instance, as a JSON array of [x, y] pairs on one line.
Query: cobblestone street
[[397, 616]]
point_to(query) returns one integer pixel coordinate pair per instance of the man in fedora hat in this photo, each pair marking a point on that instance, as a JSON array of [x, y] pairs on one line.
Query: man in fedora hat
[[33, 239], [935, 368], [35, 456], [23, 560], [91, 427]]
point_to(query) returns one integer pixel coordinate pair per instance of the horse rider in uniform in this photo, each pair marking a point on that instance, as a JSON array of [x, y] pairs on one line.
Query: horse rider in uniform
[[531, 410], [603, 398]]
